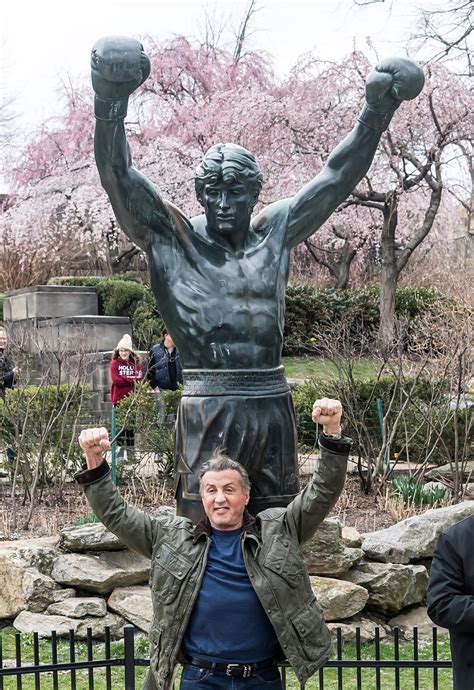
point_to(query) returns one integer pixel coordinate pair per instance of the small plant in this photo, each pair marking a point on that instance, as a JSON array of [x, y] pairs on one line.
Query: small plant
[[85, 520], [413, 493]]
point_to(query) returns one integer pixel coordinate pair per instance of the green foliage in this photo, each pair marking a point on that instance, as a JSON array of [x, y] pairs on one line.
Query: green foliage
[[312, 313], [413, 492], [85, 520], [40, 423], [140, 412]]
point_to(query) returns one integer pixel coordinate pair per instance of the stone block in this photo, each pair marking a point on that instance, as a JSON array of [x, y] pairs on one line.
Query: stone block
[[49, 301]]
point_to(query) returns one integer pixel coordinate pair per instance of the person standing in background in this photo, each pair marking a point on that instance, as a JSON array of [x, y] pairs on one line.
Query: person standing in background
[[125, 372]]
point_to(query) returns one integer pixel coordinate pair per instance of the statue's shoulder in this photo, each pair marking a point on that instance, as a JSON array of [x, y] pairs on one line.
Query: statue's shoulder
[[272, 216]]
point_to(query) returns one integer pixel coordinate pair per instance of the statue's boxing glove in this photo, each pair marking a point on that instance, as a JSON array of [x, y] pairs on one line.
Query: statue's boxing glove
[[118, 66], [394, 80]]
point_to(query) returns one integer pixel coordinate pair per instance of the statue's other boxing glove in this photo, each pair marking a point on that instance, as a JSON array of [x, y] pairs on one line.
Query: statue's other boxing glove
[[394, 80], [118, 66]]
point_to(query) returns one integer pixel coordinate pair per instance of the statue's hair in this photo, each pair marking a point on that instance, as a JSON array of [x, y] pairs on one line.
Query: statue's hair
[[219, 462], [228, 162]]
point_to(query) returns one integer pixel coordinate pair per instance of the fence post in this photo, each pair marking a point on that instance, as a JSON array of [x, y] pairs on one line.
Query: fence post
[[113, 431], [129, 656]]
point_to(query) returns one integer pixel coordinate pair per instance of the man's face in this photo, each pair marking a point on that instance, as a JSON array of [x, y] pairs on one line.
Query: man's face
[[3, 339], [168, 341], [228, 207], [224, 499]]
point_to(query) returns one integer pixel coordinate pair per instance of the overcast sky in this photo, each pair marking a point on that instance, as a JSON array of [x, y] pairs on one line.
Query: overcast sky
[[44, 41]]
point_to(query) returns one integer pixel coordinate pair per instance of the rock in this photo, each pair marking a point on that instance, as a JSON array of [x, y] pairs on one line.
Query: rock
[[101, 572], [338, 598], [64, 593], [391, 586], [367, 628], [23, 588], [447, 471], [44, 624], [351, 537], [134, 604], [90, 537], [415, 538], [325, 553], [30, 553], [79, 607], [415, 618]]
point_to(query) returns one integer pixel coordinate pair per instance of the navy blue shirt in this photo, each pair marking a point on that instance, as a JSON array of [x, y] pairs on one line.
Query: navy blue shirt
[[228, 623]]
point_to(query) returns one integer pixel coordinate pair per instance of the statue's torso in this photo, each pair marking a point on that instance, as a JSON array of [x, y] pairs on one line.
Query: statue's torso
[[224, 309]]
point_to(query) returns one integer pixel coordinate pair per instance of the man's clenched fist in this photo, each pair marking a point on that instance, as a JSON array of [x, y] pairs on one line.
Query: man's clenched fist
[[94, 443], [392, 81], [328, 413]]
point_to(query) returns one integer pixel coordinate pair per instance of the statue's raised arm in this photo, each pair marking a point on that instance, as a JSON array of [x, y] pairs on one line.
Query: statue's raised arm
[[394, 80], [119, 66]]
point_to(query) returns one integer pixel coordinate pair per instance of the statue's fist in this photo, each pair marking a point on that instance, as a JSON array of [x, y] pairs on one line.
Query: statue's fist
[[392, 81], [119, 65]]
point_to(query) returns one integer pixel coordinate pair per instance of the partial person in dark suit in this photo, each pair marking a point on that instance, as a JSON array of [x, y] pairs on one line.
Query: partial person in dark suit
[[450, 597]]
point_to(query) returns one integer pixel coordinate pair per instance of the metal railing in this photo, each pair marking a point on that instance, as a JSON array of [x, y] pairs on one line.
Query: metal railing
[[65, 674]]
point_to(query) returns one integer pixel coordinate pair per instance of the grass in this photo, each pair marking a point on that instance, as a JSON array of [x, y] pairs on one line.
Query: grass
[[367, 676], [307, 367]]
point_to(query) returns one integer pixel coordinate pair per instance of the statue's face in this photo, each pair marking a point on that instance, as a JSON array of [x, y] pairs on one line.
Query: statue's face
[[228, 207]]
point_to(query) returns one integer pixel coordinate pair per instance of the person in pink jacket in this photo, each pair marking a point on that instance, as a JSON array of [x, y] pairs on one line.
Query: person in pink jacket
[[125, 372]]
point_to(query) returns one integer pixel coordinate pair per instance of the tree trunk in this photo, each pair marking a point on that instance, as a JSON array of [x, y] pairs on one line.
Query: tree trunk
[[389, 273]]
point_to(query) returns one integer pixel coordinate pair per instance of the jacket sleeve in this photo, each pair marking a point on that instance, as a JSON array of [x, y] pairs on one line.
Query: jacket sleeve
[[306, 512], [448, 604], [132, 526]]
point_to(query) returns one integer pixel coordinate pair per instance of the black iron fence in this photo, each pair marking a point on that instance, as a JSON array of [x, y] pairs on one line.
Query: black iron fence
[[387, 670]]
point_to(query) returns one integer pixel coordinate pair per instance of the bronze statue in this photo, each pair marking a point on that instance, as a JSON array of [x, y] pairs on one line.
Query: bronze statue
[[220, 278]]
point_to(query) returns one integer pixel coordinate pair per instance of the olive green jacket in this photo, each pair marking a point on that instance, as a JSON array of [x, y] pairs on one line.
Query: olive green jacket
[[271, 548]]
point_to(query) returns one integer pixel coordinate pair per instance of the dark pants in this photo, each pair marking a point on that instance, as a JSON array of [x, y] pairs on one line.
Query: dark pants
[[203, 678]]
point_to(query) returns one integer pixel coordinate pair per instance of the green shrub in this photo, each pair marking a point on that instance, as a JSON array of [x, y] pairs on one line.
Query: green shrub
[[313, 314], [139, 412], [42, 422], [413, 492]]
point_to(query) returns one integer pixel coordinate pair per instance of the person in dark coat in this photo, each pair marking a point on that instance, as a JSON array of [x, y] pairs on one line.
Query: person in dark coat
[[8, 373], [450, 597], [164, 365]]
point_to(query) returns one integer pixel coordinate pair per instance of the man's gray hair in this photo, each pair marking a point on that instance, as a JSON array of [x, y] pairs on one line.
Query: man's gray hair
[[219, 462]]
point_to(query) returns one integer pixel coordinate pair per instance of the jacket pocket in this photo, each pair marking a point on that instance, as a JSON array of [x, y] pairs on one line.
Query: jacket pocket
[[285, 559], [169, 569], [312, 631]]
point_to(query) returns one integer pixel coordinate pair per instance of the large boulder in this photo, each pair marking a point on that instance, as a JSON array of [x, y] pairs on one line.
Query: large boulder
[[89, 537], [415, 538], [415, 618], [391, 586], [44, 624], [24, 576], [134, 604], [366, 626], [79, 607], [326, 554], [101, 572], [338, 598], [447, 471]]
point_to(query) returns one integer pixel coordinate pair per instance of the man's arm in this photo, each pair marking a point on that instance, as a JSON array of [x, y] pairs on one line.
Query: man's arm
[[119, 66], [311, 506], [448, 604], [132, 526], [393, 81]]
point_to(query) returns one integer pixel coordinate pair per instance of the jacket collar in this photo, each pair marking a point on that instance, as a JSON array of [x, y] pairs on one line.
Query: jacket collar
[[203, 527]]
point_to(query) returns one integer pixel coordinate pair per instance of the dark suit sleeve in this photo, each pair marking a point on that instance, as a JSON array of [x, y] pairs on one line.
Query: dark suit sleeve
[[151, 369], [448, 604]]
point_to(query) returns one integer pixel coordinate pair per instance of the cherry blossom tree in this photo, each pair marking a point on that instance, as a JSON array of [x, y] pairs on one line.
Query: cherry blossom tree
[[198, 94]]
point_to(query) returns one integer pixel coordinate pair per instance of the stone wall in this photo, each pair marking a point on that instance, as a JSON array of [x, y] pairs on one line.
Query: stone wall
[[86, 578]]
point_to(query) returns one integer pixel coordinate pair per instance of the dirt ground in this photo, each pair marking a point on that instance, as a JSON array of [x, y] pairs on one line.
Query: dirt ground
[[354, 508]]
